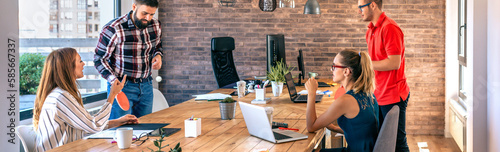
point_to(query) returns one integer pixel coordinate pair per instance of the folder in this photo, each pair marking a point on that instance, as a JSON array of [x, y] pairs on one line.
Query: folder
[[142, 128]]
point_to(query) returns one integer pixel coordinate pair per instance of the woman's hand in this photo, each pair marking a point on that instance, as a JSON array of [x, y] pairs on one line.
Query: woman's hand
[[127, 119], [311, 86]]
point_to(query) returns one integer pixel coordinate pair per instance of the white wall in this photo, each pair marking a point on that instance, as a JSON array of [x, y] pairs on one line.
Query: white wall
[[451, 59], [493, 68], [476, 76]]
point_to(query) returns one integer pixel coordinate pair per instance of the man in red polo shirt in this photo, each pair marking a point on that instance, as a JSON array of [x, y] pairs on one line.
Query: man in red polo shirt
[[386, 48]]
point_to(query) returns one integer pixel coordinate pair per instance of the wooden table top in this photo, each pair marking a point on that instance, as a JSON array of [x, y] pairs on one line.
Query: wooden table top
[[217, 134]]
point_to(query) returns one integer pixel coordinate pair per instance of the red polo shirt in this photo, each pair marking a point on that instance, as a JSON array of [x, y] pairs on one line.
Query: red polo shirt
[[386, 38]]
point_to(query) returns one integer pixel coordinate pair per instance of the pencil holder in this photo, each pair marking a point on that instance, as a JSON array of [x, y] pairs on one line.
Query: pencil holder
[[192, 127], [260, 94]]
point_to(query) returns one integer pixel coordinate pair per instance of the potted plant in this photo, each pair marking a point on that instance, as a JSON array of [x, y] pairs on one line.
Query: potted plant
[[158, 144], [277, 77], [227, 108]]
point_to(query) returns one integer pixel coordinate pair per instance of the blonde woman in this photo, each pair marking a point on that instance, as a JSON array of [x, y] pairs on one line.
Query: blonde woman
[[357, 111], [58, 115]]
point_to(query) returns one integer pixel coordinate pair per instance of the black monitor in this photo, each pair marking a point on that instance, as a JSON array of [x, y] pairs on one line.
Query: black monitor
[[300, 62], [275, 49]]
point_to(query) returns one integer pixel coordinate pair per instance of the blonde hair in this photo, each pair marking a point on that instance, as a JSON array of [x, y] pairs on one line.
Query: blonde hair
[[58, 71], [362, 71]]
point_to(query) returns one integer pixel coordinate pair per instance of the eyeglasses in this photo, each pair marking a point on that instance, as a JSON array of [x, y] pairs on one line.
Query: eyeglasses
[[142, 138], [336, 66], [361, 6]]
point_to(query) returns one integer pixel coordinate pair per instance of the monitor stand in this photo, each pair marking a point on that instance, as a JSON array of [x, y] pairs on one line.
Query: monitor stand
[[300, 80]]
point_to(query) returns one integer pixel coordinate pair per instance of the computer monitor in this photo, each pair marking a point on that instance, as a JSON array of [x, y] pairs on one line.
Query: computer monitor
[[275, 49], [300, 62]]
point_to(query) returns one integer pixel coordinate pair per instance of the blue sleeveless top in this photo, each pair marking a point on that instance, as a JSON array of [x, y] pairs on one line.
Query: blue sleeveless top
[[361, 131]]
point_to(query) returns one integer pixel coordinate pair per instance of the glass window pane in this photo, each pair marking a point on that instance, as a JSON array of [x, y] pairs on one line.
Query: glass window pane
[[60, 23]]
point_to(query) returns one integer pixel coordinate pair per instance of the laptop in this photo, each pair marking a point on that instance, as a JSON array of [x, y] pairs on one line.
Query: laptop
[[297, 98], [258, 125]]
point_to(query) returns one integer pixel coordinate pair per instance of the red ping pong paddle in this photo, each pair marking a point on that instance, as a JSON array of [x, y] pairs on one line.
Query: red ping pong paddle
[[122, 100]]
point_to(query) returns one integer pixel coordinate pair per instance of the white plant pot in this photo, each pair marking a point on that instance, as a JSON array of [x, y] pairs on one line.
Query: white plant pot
[[277, 88]]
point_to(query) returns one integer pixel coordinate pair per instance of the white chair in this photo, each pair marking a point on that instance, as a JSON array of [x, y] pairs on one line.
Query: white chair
[[159, 101], [386, 140], [27, 136]]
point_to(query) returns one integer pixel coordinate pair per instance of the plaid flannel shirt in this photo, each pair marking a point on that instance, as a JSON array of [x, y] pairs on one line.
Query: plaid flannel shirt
[[124, 49]]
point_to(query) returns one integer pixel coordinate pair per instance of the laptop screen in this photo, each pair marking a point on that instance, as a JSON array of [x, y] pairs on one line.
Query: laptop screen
[[290, 85]]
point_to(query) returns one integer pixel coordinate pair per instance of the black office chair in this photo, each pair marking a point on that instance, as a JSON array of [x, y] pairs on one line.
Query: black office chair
[[222, 61]]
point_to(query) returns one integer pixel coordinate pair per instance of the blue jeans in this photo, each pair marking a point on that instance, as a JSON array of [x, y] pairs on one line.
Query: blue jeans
[[401, 144], [140, 97]]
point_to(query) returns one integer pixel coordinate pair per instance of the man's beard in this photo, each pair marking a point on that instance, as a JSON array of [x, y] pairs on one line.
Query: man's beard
[[139, 22], [368, 15]]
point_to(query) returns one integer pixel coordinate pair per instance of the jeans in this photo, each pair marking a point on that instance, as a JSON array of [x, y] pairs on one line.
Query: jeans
[[140, 97], [401, 144]]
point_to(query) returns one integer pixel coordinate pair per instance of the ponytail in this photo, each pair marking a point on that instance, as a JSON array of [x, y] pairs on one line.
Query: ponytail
[[362, 71]]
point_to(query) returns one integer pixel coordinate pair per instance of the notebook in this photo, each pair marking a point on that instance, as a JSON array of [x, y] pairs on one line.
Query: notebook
[[258, 125], [138, 130], [297, 98]]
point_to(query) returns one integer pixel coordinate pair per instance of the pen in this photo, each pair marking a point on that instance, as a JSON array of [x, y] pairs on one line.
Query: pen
[[282, 128], [191, 117]]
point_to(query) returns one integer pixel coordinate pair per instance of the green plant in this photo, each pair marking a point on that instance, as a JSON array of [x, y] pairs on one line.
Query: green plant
[[277, 72], [158, 144], [228, 100], [30, 72]]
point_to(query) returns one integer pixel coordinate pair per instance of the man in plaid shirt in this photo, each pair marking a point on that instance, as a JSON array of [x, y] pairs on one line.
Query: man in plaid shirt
[[130, 46]]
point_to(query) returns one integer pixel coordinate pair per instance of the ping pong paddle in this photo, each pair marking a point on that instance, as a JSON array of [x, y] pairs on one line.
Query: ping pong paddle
[[122, 100]]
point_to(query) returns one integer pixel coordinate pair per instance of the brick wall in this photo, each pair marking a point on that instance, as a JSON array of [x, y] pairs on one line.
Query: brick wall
[[189, 25]]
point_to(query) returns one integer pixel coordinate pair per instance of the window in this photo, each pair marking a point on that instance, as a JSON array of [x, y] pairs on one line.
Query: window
[[96, 3], [53, 4], [53, 16], [96, 15], [53, 28], [61, 25], [81, 28], [82, 4], [82, 16], [462, 49], [89, 28], [89, 15]]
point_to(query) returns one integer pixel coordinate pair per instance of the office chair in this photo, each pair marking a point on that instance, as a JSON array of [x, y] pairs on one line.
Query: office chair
[[27, 136], [159, 101], [222, 61], [386, 140]]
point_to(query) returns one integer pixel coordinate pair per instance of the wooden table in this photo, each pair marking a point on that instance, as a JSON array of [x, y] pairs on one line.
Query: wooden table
[[217, 134]]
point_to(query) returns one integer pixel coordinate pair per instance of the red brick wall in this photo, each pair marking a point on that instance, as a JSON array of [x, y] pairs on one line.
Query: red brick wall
[[188, 26]]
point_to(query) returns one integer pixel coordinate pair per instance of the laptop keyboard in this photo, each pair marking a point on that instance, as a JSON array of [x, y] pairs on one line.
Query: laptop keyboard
[[302, 97], [279, 136]]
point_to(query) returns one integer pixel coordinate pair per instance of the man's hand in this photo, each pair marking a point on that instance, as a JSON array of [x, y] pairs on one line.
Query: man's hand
[[157, 62]]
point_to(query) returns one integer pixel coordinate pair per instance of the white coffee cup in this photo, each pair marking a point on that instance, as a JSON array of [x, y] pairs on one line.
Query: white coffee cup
[[269, 112], [123, 137]]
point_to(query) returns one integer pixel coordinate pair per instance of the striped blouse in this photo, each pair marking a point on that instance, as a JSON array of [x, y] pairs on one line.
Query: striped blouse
[[63, 120]]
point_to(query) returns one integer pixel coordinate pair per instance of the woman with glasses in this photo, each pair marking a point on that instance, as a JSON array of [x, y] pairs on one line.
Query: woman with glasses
[[58, 115], [356, 111]]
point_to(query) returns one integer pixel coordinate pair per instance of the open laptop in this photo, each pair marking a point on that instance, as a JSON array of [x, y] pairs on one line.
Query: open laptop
[[297, 98], [258, 125]]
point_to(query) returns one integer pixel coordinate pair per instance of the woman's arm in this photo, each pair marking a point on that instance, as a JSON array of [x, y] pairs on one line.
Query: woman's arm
[[335, 110], [127, 119]]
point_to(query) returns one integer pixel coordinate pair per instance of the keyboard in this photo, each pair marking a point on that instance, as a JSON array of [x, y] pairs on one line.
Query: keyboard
[[322, 84], [301, 97], [279, 136]]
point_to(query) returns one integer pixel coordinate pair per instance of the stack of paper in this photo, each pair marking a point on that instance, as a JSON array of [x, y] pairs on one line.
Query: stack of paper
[[211, 96], [317, 92]]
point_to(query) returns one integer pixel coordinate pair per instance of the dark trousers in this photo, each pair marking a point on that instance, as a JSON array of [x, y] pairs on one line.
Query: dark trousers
[[401, 144]]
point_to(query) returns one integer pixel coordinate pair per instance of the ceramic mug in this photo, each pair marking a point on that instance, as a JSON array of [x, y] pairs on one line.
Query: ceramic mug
[[123, 137]]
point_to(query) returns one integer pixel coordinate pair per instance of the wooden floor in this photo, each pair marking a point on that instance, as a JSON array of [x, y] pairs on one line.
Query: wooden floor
[[434, 143]]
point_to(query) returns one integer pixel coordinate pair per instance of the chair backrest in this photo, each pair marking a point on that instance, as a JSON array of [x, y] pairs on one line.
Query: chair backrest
[[159, 101], [222, 61], [27, 136], [386, 140]]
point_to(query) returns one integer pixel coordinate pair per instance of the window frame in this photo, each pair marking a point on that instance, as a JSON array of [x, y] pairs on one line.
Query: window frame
[[462, 59]]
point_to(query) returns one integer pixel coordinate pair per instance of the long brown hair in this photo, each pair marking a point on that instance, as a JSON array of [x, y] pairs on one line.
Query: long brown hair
[[362, 71], [58, 71]]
